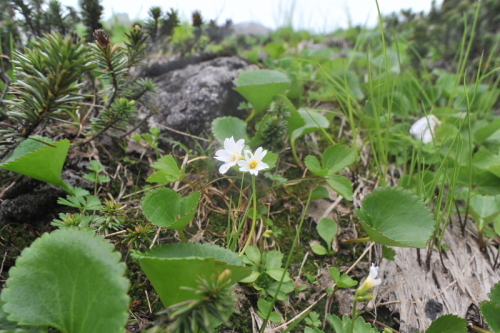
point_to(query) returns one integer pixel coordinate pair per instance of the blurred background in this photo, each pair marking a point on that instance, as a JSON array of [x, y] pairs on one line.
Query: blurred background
[[321, 16]]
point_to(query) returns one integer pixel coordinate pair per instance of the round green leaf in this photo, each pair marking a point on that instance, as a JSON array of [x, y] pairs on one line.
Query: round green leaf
[[162, 206], [260, 86], [395, 217], [313, 120], [227, 127], [337, 157], [327, 229], [71, 280], [187, 210], [341, 185], [491, 313], [172, 266], [448, 324]]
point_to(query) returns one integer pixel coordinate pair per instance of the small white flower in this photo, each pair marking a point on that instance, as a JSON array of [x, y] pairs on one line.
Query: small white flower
[[363, 293], [424, 128], [372, 280], [253, 162], [231, 154]]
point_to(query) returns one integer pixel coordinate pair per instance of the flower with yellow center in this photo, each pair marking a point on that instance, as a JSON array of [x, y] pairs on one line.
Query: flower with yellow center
[[253, 162], [231, 154], [363, 292]]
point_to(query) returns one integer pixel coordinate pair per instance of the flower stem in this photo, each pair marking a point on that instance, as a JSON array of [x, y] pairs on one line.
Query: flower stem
[[254, 218], [182, 235], [356, 240], [353, 315]]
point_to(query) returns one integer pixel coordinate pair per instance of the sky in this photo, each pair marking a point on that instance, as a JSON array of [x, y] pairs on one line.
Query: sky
[[316, 15]]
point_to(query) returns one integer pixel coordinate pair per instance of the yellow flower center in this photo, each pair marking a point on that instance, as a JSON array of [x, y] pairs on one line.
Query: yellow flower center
[[253, 164], [236, 157]]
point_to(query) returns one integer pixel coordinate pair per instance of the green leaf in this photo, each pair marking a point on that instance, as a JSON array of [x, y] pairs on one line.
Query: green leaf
[[327, 229], [170, 267], [226, 127], [260, 86], [388, 253], [485, 160], [166, 208], [168, 171], [313, 164], [7, 326], [313, 121], [161, 206], [337, 157], [341, 185], [273, 259], [253, 254], [484, 207], [277, 273], [344, 325], [491, 310], [270, 159], [341, 280], [395, 217], [495, 294], [491, 313], [448, 324], [265, 307], [188, 207], [320, 192], [39, 161], [78, 274], [319, 249]]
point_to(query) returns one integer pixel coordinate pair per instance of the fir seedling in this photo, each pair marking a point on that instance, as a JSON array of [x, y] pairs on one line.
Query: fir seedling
[[91, 16]]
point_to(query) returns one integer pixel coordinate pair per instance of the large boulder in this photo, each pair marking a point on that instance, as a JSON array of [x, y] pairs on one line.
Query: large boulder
[[191, 97]]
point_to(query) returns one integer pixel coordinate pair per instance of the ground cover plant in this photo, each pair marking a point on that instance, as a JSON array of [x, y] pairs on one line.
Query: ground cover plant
[[349, 150]]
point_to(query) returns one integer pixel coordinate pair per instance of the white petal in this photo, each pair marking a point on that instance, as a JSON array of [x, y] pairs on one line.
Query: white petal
[[373, 272]]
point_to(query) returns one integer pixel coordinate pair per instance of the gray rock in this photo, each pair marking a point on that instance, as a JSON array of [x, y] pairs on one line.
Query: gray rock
[[191, 98], [32, 201], [251, 29]]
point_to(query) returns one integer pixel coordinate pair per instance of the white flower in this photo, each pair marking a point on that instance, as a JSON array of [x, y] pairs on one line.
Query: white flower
[[363, 293], [231, 154], [372, 280], [253, 162], [424, 128]]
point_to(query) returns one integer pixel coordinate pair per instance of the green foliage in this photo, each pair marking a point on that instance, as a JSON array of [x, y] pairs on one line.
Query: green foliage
[[395, 217], [341, 280], [448, 324], [491, 309], [313, 319], [136, 46], [120, 114], [41, 159], [215, 305], [168, 171], [166, 208], [48, 85], [265, 308], [267, 272], [344, 325], [42, 276], [484, 208], [335, 159], [92, 11], [327, 229], [260, 86], [171, 267], [95, 176], [226, 127]]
